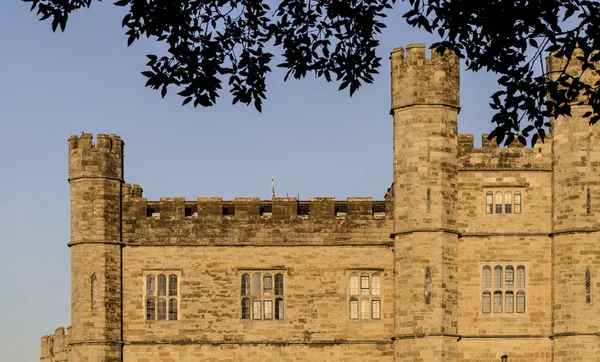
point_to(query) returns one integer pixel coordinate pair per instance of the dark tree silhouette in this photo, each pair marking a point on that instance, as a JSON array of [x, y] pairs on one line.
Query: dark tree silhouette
[[212, 41]]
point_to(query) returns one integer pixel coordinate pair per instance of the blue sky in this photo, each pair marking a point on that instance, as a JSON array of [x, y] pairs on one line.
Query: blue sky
[[313, 140]]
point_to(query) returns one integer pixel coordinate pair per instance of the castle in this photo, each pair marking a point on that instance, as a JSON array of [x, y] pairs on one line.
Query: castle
[[475, 254]]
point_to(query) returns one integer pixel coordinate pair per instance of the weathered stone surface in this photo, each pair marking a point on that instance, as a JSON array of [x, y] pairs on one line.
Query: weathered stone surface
[[428, 241]]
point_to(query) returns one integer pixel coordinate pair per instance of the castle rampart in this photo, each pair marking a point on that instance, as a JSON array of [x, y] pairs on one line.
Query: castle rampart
[[55, 347]]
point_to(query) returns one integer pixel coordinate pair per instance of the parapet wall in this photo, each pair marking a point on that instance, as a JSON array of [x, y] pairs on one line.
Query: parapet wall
[[55, 347], [249, 220], [515, 157]]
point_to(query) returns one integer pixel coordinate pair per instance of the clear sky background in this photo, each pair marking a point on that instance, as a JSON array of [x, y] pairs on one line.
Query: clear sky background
[[312, 139]]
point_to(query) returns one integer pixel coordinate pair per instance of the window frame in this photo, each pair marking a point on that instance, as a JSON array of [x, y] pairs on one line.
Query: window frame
[[501, 298], [270, 293], [150, 292], [364, 294], [503, 199]]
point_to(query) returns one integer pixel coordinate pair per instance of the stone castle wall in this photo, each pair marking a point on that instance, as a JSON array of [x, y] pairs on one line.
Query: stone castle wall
[[433, 218]]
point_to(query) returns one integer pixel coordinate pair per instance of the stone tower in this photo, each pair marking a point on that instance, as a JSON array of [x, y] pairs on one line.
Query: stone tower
[[425, 106], [575, 224], [96, 177]]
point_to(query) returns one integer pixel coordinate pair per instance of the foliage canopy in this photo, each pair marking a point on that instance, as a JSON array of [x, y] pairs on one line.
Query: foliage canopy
[[212, 41]]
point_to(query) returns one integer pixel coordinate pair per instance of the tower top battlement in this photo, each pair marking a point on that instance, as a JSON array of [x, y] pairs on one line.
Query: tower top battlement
[[418, 80], [101, 159]]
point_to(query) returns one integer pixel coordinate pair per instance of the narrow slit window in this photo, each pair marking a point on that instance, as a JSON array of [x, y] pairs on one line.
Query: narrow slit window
[[150, 280], [427, 285], [150, 310], [489, 202], [172, 309], [172, 285], [256, 285], [508, 203], [364, 309], [279, 284], [588, 203], [517, 202], [497, 301], [279, 308], [93, 289], [256, 309], [364, 285], [245, 308], [162, 309], [353, 284], [268, 309], [486, 302], [499, 203], [520, 302], [497, 276], [509, 276], [376, 309], [268, 284], [162, 285], [509, 306], [375, 284], [588, 286], [353, 309], [487, 277], [520, 276], [428, 200], [246, 284]]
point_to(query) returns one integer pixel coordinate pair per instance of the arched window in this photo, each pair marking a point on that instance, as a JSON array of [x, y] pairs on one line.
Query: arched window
[[364, 309], [520, 276], [256, 309], [150, 310], [268, 309], [162, 285], [509, 306], [487, 277], [375, 284], [520, 301], [353, 308], [267, 285], [499, 202], [508, 203], [588, 286], [173, 309], [162, 308], [173, 285], [489, 202], [364, 284], [256, 285], [246, 307], [427, 285], [376, 309], [517, 202], [279, 285], [353, 284], [497, 301], [509, 276], [245, 284], [486, 302], [93, 289], [278, 308], [150, 284], [497, 276]]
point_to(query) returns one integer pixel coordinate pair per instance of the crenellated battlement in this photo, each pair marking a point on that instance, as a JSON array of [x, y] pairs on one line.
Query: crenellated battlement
[[279, 208], [104, 158], [491, 157], [55, 347], [104, 142], [249, 220], [418, 80]]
